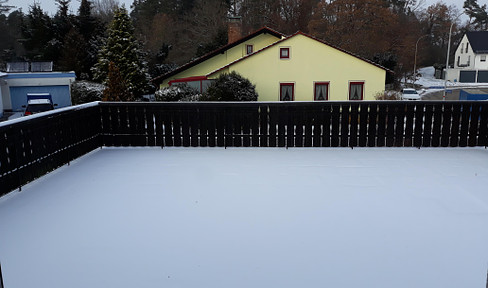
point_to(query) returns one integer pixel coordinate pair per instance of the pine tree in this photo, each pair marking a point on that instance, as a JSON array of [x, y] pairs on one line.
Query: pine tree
[[124, 51]]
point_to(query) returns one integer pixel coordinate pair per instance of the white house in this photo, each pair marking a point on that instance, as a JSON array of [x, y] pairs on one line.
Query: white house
[[470, 62]]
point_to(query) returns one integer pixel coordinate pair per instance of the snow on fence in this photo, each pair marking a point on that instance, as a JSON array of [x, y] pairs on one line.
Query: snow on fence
[[32, 147]]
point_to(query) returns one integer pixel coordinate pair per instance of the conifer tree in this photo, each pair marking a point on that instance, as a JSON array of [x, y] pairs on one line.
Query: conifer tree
[[123, 50]]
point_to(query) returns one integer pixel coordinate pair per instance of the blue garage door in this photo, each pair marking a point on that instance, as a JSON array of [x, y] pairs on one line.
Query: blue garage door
[[60, 95]]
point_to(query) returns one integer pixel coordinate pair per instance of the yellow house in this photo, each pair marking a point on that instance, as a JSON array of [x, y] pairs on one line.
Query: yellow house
[[295, 68]]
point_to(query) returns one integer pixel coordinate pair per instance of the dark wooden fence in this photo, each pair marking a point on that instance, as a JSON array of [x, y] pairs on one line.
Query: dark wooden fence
[[296, 124], [37, 145]]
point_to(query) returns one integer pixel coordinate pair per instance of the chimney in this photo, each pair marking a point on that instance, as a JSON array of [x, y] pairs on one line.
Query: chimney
[[234, 29]]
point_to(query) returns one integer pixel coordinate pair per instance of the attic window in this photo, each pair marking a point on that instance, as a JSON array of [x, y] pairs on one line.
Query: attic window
[[483, 58], [285, 53], [462, 48], [249, 49], [467, 45]]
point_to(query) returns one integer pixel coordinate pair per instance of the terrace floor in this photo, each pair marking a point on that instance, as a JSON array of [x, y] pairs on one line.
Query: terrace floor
[[252, 217]]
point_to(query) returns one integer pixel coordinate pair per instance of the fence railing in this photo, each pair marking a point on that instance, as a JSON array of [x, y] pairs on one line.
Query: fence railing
[[37, 145], [32, 147], [297, 124]]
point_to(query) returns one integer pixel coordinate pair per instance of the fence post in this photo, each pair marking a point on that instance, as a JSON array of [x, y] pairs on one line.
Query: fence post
[[1, 276]]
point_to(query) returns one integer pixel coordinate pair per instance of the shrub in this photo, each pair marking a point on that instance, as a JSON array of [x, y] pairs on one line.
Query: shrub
[[177, 92], [85, 91], [388, 95], [231, 87]]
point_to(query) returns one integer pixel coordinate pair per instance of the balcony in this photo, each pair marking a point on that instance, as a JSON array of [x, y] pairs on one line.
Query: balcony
[[206, 194]]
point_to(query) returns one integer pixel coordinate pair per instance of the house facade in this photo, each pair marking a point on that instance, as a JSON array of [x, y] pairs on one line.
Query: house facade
[[470, 60], [294, 68]]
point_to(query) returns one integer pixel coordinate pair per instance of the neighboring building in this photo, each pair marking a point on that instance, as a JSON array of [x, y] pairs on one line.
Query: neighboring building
[[470, 61], [294, 68], [15, 86]]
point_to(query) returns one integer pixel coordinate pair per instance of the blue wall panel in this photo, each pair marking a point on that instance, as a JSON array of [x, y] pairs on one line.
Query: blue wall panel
[[60, 95]]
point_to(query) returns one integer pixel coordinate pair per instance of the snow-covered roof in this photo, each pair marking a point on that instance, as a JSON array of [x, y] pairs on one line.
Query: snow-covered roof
[[252, 217]]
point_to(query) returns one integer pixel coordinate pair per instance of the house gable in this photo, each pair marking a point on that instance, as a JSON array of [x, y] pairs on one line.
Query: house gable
[[221, 57], [309, 61]]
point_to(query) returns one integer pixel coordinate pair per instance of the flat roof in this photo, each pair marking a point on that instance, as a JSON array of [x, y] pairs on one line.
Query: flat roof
[[252, 217]]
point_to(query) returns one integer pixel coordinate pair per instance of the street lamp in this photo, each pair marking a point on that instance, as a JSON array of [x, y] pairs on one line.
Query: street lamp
[[447, 57], [415, 60]]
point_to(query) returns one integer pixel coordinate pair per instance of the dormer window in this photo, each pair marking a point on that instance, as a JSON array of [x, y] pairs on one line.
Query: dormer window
[[249, 49], [285, 53]]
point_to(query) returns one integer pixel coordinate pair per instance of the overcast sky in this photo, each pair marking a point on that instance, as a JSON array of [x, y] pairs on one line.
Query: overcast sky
[[50, 5]]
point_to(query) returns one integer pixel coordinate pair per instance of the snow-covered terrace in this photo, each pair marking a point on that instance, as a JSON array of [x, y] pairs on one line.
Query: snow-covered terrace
[[252, 217], [247, 217]]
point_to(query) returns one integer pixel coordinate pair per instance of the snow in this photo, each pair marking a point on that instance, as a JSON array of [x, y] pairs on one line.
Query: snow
[[426, 79], [252, 217]]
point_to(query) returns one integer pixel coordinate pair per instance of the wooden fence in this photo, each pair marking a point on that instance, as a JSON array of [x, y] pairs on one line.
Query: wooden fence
[[296, 124], [34, 146], [38, 145]]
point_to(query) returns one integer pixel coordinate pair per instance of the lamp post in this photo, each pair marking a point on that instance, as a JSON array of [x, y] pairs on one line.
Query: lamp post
[[447, 57], [415, 60]]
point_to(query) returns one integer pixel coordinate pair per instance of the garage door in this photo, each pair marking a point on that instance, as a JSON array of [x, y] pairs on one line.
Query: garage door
[[483, 76], [467, 76], [60, 95]]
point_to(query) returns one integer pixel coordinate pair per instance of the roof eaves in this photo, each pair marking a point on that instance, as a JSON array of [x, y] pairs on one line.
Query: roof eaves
[[220, 50]]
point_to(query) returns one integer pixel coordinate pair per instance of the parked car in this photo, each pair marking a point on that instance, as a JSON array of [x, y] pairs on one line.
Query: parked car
[[410, 94], [38, 105]]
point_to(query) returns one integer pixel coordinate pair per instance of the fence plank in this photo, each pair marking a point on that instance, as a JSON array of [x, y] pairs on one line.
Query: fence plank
[[409, 124], [446, 124], [381, 140], [426, 140], [436, 126], [464, 127], [473, 124], [345, 107]]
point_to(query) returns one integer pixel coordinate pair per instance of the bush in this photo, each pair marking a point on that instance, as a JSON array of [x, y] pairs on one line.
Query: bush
[[388, 95], [231, 87], [85, 91], [177, 92]]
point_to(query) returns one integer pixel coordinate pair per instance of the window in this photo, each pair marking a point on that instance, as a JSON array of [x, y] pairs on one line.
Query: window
[[467, 45], [356, 90], [284, 53], [483, 58], [459, 60], [321, 91], [462, 48], [249, 49], [287, 91]]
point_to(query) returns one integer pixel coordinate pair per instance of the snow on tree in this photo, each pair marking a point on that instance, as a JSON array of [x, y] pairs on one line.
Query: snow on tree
[[231, 87], [85, 91], [124, 51]]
